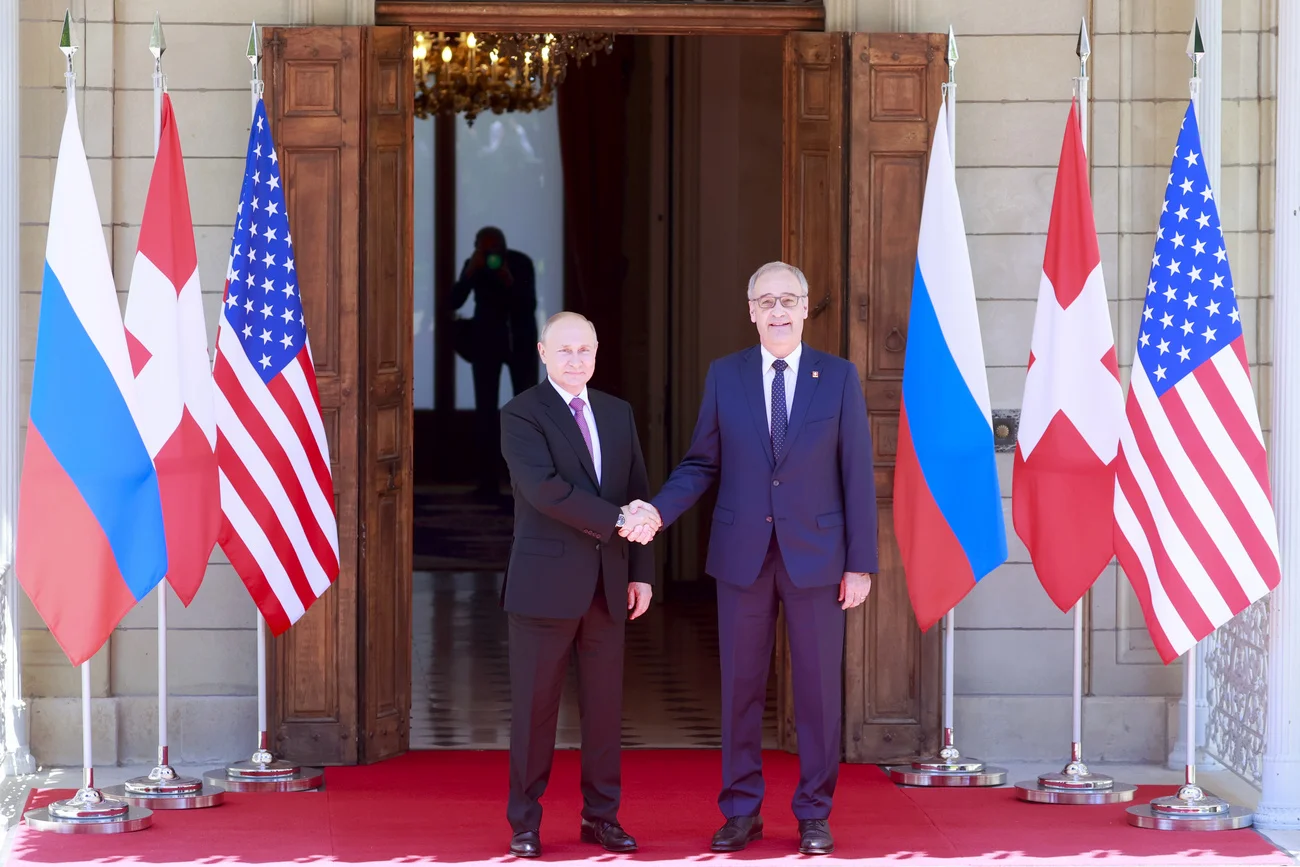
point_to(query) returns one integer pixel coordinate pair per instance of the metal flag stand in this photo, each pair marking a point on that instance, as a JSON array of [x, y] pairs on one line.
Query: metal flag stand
[[1075, 784], [162, 788], [263, 772], [1192, 808], [949, 767], [89, 811]]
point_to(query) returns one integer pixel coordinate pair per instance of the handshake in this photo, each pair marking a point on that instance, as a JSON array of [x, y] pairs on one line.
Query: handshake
[[641, 523]]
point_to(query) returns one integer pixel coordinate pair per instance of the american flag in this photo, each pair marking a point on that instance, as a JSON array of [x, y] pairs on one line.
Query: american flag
[[1194, 524], [277, 495]]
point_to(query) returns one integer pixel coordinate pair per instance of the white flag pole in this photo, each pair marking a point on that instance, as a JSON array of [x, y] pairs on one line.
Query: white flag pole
[[263, 772], [1192, 807], [1075, 783], [949, 767], [263, 754], [950, 619], [88, 811], [157, 45], [162, 787]]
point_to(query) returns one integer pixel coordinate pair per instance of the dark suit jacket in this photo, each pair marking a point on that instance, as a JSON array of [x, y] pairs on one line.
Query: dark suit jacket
[[820, 498], [565, 533]]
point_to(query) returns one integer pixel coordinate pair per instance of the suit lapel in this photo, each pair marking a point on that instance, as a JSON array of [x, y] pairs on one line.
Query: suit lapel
[[804, 386], [751, 376], [559, 411]]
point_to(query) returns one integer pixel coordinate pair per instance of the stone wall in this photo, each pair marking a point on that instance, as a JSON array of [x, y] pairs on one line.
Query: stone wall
[[212, 651], [1015, 82], [1015, 85]]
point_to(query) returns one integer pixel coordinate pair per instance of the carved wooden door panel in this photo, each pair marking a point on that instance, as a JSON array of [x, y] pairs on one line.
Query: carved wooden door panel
[[387, 268], [340, 107], [812, 224], [313, 88], [892, 671], [858, 113]]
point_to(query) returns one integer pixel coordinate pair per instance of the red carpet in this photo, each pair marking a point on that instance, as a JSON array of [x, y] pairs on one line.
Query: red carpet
[[450, 808]]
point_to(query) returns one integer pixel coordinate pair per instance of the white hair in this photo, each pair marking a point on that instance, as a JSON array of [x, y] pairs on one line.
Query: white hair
[[563, 315], [772, 267]]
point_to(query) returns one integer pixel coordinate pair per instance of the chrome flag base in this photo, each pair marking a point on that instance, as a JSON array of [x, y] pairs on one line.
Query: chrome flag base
[[162, 789], [1192, 809], [265, 773], [1075, 784], [949, 768], [246, 777], [89, 812]]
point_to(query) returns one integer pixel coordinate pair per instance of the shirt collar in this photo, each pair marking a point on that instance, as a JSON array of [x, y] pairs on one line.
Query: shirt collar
[[792, 359], [566, 397]]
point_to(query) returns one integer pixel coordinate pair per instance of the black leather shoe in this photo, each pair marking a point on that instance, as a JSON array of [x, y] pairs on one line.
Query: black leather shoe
[[608, 835], [737, 833], [815, 837], [526, 844]]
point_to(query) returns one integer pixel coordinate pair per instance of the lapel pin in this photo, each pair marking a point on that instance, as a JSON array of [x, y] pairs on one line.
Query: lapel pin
[[816, 373]]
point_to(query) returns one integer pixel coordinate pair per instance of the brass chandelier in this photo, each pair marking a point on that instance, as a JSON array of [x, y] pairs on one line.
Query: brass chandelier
[[469, 73]]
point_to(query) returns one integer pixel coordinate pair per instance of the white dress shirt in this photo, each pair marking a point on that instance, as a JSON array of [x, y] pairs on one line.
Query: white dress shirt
[[589, 416], [769, 376]]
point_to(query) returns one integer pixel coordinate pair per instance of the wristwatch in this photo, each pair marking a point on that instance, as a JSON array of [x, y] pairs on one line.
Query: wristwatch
[[622, 519]]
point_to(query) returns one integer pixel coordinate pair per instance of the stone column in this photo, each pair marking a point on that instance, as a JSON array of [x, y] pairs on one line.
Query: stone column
[[1279, 805], [1209, 114], [16, 757]]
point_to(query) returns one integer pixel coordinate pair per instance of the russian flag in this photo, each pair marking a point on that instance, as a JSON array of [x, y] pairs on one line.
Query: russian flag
[[90, 530], [947, 501]]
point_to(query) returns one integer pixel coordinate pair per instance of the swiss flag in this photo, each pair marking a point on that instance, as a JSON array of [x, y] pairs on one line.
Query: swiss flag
[[168, 340], [1063, 484]]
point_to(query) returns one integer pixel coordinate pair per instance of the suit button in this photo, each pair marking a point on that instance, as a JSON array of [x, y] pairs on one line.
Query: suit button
[[776, 483], [769, 519]]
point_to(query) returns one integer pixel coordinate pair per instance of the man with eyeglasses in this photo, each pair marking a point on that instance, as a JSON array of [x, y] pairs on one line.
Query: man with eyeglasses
[[783, 431]]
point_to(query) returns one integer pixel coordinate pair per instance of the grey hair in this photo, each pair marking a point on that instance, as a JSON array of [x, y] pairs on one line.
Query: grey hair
[[771, 267], [560, 317]]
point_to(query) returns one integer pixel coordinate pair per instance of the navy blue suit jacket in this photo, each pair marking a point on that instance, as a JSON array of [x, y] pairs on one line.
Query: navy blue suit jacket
[[819, 498]]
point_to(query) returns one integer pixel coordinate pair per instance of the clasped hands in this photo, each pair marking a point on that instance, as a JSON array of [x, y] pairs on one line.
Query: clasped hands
[[641, 522]]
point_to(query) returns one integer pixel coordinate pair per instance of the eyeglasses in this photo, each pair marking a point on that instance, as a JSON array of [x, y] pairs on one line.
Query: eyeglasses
[[767, 302]]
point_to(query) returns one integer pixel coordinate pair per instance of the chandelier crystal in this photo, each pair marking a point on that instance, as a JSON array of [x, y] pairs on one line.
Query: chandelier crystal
[[470, 73]]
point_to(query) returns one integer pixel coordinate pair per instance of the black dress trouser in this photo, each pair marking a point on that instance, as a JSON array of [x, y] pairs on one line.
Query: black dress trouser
[[540, 648]]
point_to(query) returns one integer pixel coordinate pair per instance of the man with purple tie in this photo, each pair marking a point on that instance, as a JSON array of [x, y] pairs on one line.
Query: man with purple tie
[[783, 431], [572, 580]]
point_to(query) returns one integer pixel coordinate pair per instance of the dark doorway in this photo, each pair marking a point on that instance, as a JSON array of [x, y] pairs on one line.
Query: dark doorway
[[645, 197]]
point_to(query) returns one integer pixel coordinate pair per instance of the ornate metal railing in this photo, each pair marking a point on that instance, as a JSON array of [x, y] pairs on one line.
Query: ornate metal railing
[[1236, 667], [7, 636]]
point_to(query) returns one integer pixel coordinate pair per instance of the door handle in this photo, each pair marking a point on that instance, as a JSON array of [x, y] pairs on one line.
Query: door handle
[[392, 476]]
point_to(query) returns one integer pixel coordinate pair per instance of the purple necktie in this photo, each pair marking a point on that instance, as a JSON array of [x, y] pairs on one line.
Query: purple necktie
[[576, 405]]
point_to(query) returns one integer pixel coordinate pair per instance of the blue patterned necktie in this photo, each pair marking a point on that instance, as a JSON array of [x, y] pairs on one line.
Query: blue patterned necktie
[[780, 422]]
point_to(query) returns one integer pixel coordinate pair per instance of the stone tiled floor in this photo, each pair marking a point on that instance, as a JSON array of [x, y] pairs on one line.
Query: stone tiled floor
[[460, 696]]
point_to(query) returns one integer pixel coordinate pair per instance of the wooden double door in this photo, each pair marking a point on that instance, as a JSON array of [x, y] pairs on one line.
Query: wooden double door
[[859, 111]]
